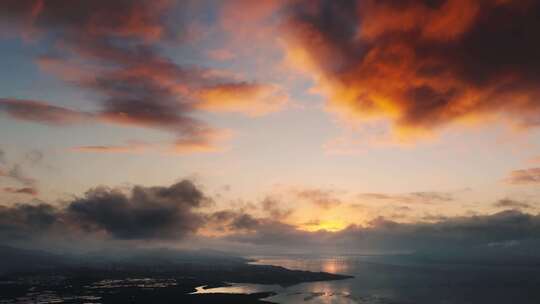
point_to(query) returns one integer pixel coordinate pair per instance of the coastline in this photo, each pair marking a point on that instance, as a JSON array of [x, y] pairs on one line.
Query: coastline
[[171, 283]]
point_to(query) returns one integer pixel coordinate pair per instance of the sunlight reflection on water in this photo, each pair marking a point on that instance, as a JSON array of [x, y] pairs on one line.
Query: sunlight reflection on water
[[315, 293], [397, 279], [338, 265], [238, 288]]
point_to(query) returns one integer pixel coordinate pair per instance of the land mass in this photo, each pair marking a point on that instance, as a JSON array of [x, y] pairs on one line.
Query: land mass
[[150, 276]]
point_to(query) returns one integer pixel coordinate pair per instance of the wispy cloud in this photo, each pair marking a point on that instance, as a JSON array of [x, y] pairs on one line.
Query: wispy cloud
[[524, 177], [410, 198], [510, 203], [113, 50], [41, 112], [321, 198], [24, 190]]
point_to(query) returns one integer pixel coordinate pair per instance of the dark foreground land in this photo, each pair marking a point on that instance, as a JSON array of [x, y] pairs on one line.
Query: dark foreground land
[[152, 277]]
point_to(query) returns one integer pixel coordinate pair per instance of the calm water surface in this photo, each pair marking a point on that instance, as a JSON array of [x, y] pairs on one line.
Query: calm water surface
[[394, 279]]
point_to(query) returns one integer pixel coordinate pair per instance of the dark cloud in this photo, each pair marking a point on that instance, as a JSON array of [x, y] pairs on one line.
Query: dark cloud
[[510, 203], [524, 176], [245, 222], [422, 65], [24, 221], [158, 213], [147, 212], [272, 207], [440, 234], [279, 236], [434, 217], [37, 111], [232, 221], [449, 233]]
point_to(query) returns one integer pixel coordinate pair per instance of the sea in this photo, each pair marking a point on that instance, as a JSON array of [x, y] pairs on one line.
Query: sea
[[396, 279]]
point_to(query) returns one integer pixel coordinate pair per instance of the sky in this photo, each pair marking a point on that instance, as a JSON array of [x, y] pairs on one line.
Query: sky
[[254, 123]]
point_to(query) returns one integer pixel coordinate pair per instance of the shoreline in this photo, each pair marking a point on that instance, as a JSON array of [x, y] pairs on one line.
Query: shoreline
[[171, 284]]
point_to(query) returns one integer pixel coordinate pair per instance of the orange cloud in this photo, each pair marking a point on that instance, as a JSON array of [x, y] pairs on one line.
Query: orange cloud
[[247, 98], [206, 142], [418, 64]]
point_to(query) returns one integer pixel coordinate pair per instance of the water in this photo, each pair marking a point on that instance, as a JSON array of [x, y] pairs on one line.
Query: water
[[398, 279]]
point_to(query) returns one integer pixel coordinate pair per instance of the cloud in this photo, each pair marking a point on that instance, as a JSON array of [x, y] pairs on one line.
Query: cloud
[[206, 143], [119, 18], [451, 233], [524, 177], [153, 214], [147, 212], [113, 51], [456, 237], [33, 157], [129, 147], [179, 213], [271, 206], [324, 199], [16, 173], [150, 213], [40, 112], [24, 190], [231, 221], [251, 99], [421, 65], [510, 203], [411, 198], [24, 221]]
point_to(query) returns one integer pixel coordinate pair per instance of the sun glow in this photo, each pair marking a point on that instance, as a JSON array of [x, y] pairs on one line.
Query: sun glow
[[328, 225]]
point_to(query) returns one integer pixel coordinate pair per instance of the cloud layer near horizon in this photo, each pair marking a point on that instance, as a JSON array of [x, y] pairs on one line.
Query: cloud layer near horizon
[[178, 214]]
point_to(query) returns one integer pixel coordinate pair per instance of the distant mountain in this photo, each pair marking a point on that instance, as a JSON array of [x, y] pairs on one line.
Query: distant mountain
[[25, 260], [21, 260]]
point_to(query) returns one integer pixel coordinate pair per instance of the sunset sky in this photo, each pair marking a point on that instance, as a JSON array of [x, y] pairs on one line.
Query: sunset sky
[[312, 117]]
